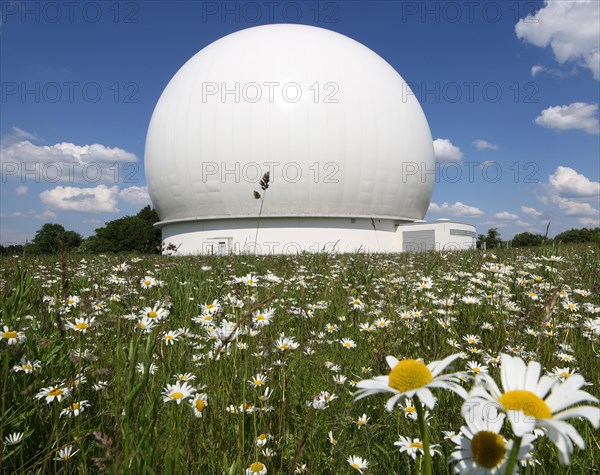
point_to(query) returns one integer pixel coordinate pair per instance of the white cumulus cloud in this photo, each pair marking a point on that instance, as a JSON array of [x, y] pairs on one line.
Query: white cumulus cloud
[[589, 222], [456, 209], [100, 199], [30, 213], [567, 181], [570, 28], [574, 208], [531, 212], [481, 144], [27, 152], [506, 215], [575, 116], [446, 151], [135, 195]]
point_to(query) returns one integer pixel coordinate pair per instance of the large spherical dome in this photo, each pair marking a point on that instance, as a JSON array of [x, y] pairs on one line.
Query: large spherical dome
[[335, 124]]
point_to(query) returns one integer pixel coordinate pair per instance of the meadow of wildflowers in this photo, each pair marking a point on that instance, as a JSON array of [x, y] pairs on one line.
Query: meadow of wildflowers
[[428, 363]]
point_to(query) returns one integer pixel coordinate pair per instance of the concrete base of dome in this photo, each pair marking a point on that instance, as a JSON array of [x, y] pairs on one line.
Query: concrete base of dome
[[295, 235]]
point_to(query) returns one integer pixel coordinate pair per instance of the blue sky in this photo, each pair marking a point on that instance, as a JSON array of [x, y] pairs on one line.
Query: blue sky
[[510, 90]]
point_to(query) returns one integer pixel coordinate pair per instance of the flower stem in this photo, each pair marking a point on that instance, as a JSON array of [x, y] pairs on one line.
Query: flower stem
[[424, 436], [512, 458]]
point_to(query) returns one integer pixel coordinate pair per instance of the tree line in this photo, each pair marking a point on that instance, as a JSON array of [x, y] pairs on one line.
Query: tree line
[[137, 234], [527, 239], [127, 234]]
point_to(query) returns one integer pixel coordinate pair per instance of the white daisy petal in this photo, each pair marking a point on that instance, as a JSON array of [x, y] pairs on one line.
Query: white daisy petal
[[590, 413]]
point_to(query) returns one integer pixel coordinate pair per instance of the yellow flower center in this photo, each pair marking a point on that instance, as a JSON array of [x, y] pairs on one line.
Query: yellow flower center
[[416, 445], [200, 405], [210, 305], [476, 370], [258, 382], [147, 282], [284, 347], [70, 302], [74, 406], [347, 343], [526, 401], [81, 326], [260, 317], [55, 392], [9, 335], [152, 314], [488, 448], [256, 467], [176, 395], [565, 374], [262, 436], [26, 367], [168, 337], [409, 374], [411, 409]]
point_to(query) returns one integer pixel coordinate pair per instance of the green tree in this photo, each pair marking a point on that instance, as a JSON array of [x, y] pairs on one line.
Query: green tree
[[47, 239], [527, 239], [128, 234], [579, 235]]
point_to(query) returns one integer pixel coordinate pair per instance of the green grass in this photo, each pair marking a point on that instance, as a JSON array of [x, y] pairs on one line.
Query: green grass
[[128, 429]]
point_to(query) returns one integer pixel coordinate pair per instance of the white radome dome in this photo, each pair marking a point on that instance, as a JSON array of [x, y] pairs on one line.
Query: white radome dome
[[363, 156]]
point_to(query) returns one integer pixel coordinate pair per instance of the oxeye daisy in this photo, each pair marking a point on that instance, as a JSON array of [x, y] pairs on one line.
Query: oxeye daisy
[[27, 366], [262, 439], [356, 303], [199, 403], [358, 463], [171, 337], [476, 367], [177, 392], [12, 337], [258, 380], [532, 401], [480, 449], [53, 392], [410, 411], [65, 453], [257, 468], [14, 438], [82, 324], [213, 307], [347, 343], [157, 312], [412, 378], [414, 447], [185, 377], [75, 409], [361, 421], [148, 282]]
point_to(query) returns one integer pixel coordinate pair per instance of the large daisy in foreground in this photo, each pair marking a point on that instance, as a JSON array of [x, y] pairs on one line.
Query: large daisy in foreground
[[532, 401], [481, 450], [412, 378]]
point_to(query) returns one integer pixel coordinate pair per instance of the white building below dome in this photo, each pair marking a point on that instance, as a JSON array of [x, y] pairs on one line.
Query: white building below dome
[[295, 235]]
